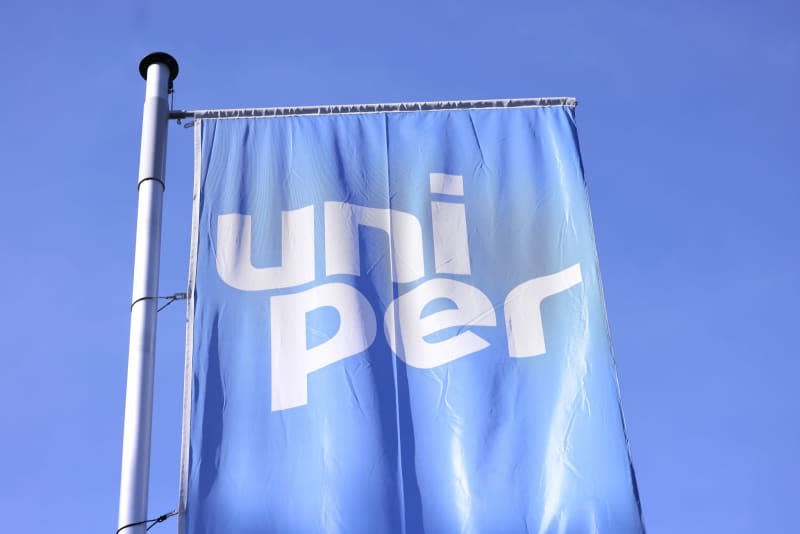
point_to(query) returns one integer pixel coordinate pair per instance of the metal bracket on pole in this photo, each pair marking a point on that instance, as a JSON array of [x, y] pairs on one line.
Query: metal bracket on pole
[[159, 70]]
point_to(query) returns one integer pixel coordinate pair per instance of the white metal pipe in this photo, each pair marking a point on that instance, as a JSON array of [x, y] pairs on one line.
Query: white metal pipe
[[134, 480]]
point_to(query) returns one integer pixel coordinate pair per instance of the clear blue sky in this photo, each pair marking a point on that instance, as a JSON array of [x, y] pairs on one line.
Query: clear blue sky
[[688, 124]]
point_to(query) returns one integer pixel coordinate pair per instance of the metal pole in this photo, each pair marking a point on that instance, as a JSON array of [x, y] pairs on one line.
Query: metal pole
[[158, 69]]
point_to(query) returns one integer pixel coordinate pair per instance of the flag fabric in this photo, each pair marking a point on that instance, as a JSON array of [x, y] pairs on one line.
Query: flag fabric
[[396, 325]]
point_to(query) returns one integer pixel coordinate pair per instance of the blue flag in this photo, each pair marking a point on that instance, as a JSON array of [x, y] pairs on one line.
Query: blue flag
[[397, 326]]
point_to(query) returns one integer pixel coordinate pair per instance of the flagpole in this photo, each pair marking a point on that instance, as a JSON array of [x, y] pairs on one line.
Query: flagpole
[[159, 70]]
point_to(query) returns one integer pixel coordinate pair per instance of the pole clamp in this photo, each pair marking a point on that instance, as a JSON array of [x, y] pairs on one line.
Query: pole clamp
[[154, 178]]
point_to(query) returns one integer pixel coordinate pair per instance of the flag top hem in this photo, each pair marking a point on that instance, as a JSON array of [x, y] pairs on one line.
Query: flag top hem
[[401, 107]]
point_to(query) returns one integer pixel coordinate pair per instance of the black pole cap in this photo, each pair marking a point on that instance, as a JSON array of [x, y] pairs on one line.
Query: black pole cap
[[159, 57]]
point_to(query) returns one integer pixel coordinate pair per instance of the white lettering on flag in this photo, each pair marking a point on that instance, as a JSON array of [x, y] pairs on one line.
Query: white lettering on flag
[[234, 252], [407, 326], [292, 360], [406, 329], [523, 310]]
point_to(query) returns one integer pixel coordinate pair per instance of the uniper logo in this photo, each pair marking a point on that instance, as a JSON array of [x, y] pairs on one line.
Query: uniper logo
[[404, 325]]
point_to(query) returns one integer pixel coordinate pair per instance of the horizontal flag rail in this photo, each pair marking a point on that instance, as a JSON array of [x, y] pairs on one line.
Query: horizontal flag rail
[[373, 108]]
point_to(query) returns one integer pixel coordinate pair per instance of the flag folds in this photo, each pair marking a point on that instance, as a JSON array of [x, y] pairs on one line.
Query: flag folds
[[396, 325]]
